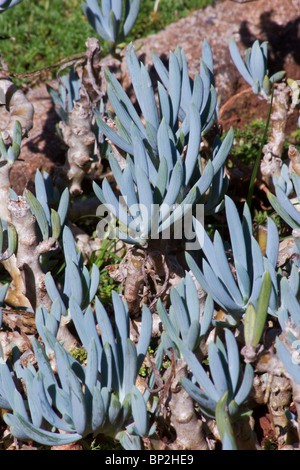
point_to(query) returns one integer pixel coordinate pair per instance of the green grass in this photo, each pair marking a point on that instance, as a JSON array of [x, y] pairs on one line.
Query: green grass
[[46, 31]]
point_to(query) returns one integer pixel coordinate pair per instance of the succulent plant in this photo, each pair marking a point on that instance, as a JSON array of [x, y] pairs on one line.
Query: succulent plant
[[254, 68], [225, 376], [113, 20], [249, 263], [86, 401], [156, 179]]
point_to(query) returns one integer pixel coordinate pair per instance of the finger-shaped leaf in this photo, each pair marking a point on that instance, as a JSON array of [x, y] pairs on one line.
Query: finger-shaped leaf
[[290, 301], [192, 338], [98, 413], [113, 136], [95, 279], [290, 363], [175, 87], [45, 407], [173, 190], [161, 70], [77, 402], [22, 429], [207, 315], [116, 93], [78, 319], [69, 246], [55, 224], [8, 383], [199, 373], [164, 145], [262, 308], [107, 334], [281, 210], [249, 324], [205, 401], [73, 281], [286, 205], [139, 411], [224, 425], [246, 385], [216, 367], [193, 143], [257, 63], [233, 358], [192, 299], [180, 312], [92, 12], [63, 206], [236, 233], [12, 240], [130, 368], [53, 291]]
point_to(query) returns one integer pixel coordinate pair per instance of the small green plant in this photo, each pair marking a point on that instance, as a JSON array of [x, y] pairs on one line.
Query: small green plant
[[227, 316], [247, 142]]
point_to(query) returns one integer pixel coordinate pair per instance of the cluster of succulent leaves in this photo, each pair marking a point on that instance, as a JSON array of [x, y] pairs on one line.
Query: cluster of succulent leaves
[[100, 396], [113, 19], [94, 399], [254, 68], [5, 4]]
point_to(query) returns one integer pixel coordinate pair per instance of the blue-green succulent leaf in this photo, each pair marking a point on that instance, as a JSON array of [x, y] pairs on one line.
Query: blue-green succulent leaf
[[193, 144], [216, 366], [131, 16], [98, 410]]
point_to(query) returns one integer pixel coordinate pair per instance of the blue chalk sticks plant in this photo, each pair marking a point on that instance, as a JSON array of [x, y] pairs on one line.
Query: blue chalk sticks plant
[[204, 324]]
